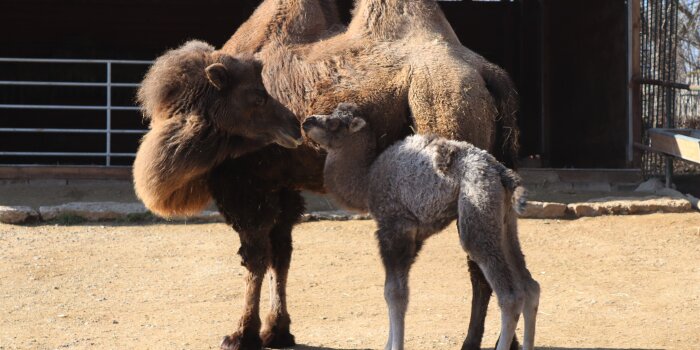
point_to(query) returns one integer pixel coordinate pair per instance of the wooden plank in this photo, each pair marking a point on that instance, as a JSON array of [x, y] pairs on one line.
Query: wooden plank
[[681, 143], [65, 172], [553, 175]]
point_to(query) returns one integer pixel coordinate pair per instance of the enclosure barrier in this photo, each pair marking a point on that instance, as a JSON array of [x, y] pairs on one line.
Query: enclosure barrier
[[108, 84]]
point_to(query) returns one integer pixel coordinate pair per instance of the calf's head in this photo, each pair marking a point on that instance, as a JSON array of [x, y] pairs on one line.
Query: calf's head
[[332, 130]]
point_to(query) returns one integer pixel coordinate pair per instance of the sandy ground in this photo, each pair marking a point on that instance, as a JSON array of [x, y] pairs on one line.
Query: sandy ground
[[627, 282]]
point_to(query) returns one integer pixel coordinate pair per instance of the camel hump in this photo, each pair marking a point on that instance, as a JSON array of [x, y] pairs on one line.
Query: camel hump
[[503, 91]]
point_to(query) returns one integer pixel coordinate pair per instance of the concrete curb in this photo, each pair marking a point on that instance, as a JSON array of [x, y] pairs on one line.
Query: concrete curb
[[92, 211], [77, 212], [608, 206]]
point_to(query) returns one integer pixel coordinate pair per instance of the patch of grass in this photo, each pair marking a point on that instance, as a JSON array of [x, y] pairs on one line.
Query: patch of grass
[[140, 217], [69, 219]]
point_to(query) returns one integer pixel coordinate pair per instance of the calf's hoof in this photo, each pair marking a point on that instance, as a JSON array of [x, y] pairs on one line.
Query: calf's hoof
[[237, 341], [473, 345], [513, 345], [277, 339]]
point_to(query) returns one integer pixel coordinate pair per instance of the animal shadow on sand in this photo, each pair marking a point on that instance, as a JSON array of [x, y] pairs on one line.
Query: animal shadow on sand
[[566, 348], [310, 347]]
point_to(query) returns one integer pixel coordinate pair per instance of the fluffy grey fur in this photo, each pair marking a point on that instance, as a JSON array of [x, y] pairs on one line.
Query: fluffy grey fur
[[414, 189]]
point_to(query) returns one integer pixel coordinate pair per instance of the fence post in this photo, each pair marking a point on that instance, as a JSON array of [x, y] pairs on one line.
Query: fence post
[[108, 127]]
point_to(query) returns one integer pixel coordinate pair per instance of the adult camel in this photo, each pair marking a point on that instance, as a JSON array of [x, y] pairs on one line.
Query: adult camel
[[402, 64]]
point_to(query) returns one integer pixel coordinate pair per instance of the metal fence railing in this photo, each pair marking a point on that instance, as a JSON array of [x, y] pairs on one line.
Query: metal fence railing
[[688, 103], [659, 39], [108, 84]]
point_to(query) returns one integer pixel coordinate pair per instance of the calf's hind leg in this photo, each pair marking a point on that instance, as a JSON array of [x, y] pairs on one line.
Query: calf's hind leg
[[481, 235], [481, 295], [531, 287]]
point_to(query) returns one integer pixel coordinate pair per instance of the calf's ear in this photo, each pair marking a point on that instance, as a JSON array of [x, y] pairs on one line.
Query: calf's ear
[[356, 124], [218, 75]]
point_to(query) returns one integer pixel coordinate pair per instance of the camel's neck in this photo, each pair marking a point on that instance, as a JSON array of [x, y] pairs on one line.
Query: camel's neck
[[394, 19], [346, 173], [284, 21]]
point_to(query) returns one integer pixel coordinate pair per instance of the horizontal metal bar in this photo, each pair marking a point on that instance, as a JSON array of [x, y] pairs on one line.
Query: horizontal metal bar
[[65, 60], [664, 83], [644, 147], [73, 131], [124, 84], [125, 131], [70, 107], [66, 83], [70, 154]]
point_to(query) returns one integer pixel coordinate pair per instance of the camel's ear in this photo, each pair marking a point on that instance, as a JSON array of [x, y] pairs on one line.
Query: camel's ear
[[357, 124], [218, 76]]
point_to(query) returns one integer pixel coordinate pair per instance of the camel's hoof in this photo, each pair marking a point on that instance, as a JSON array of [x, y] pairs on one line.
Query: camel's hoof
[[470, 346], [236, 341], [277, 339]]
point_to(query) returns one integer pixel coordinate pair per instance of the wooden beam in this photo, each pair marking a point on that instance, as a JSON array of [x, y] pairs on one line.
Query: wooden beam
[[680, 143]]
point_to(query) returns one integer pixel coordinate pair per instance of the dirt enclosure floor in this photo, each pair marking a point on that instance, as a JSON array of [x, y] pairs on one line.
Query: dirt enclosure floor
[[626, 282]]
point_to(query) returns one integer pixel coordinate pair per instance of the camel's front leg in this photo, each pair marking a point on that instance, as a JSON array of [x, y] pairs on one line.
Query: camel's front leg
[[276, 333], [250, 207], [254, 253]]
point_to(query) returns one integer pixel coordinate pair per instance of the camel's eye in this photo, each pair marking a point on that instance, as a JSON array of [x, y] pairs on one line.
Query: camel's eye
[[258, 97]]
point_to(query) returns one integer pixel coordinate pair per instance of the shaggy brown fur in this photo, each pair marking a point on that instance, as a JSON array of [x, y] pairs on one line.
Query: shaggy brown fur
[[204, 107], [398, 59]]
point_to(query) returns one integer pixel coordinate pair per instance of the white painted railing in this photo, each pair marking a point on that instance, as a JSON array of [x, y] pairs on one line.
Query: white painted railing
[[108, 84]]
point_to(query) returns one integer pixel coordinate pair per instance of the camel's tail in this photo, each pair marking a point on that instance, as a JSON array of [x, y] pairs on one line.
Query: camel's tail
[[513, 184], [502, 89]]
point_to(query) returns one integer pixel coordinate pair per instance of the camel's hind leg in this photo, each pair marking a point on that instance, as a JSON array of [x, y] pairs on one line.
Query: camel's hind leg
[[398, 249]]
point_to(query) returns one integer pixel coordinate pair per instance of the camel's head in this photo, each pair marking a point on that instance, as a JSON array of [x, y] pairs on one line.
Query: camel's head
[[332, 130], [210, 87]]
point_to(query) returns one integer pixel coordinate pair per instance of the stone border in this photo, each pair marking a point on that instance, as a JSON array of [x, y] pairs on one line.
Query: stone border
[[17, 214], [77, 212]]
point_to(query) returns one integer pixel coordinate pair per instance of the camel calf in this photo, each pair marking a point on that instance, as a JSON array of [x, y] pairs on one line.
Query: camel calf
[[414, 189]]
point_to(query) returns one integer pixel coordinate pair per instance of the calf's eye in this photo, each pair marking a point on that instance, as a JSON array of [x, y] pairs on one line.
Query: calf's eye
[[333, 124]]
